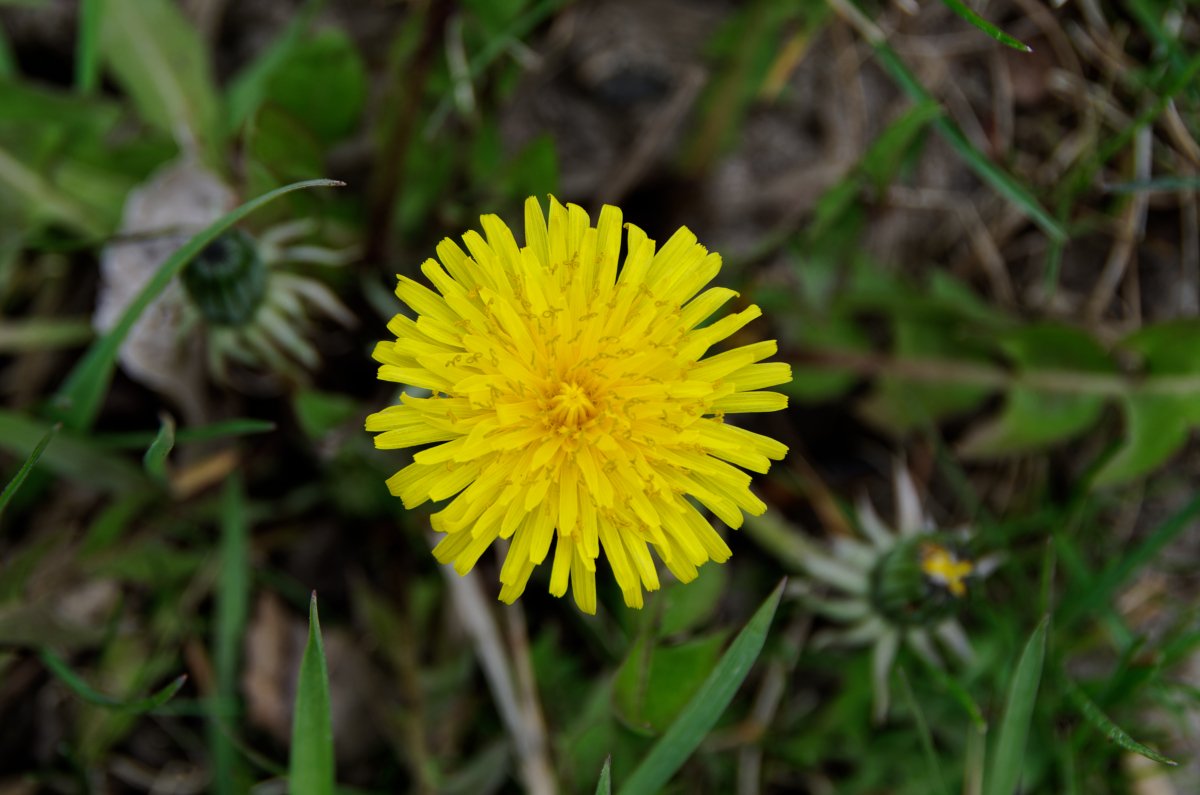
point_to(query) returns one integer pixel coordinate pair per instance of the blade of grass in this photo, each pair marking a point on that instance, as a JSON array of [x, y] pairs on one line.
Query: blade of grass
[[1102, 589], [87, 47], [248, 88], [706, 707], [958, 7], [1105, 726], [604, 785], [26, 468], [311, 771], [57, 666], [42, 334], [155, 459], [71, 456], [232, 598], [931, 760], [1006, 766], [78, 400], [39, 192], [1159, 184], [983, 167], [200, 433]]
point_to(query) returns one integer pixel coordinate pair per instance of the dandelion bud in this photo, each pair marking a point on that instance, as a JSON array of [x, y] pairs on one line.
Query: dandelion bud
[[227, 280], [919, 582]]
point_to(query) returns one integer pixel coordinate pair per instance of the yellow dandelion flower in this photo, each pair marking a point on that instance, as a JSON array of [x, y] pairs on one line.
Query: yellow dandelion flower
[[571, 405]]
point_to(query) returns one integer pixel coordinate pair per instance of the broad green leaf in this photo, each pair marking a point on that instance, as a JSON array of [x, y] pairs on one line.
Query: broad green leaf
[[71, 456], [310, 770], [897, 405], [964, 11], [232, 607], [46, 199], [1112, 731], [26, 468], [1007, 763], [1156, 426], [1034, 418], [830, 333], [249, 86], [320, 412], [687, 605], [604, 785], [158, 57], [78, 399], [706, 707], [323, 83], [155, 460], [79, 687], [656, 680]]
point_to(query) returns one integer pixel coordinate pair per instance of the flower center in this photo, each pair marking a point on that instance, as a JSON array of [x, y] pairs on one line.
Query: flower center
[[571, 406], [945, 568]]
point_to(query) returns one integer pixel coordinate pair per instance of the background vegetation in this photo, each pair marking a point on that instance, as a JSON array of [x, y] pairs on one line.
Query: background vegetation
[[982, 262]]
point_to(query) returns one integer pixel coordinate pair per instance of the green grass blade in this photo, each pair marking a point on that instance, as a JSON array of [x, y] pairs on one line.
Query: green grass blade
[[78, 400], [232, 608], [931, 760], [705, 708], [1112, 731], [40, 334], [983, 167], [75, 683], [248, 87], [87, 47], [1006, 766], [1104, 586], [604, 785], [26, 468], [1157, 185], [200, 433], [964, 11], [155, 459], [71, 456], [311, 771]]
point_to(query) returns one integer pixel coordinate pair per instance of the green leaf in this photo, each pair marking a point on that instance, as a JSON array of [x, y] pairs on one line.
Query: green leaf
[[155, 460], [706, 707], [1112, 731], [78, 400], [199, 433], [1033, 418], [232, 608], [983, 167], [891, 149], [26, 468], [249, 86], [654, 683], [87, 47], [320, 412], [687, 605], [323, 82], [46, 198], [604, 785], [964, 11], [311, 771], [162, 62], [899, 406], [1156, 426], [823, 333], [71, 456], [1098, 592], [79, 687], [41, 334], [1009, 756]]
